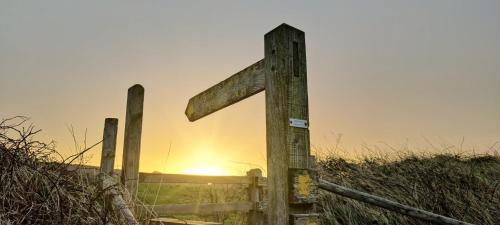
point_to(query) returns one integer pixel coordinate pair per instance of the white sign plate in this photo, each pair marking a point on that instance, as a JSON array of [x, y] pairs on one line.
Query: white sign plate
[[298, 123]]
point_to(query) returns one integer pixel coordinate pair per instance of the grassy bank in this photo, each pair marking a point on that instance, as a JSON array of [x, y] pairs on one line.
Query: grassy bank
[[465, 188]]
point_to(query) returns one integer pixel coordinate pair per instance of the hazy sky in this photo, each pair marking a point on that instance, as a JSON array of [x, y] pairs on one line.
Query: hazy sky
[[382, 74]]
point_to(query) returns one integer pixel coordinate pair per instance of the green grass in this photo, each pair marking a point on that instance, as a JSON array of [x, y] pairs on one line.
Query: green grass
[[157, 194], [186, 193]]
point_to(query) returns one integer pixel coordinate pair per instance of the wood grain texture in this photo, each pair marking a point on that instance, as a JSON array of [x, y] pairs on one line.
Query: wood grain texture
[[286, 97], [132, 139], [241, 85], [256, 196], [112, 191], [109, 146], [201, 208], [390, 205]]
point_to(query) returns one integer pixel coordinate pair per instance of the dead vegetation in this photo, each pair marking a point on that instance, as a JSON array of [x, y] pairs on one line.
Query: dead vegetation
[[462, 187], [37, 188]]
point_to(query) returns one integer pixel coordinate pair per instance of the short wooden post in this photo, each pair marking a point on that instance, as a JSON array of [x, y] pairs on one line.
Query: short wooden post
[[132, 140], [109, 146], [290, 185], [255, 196]]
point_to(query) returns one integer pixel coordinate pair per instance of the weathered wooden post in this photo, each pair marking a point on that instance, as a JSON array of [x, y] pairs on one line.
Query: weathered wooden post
[[291, 188], [282, 73], [255, 192], [109, 146], [132, 140], [113, 195]]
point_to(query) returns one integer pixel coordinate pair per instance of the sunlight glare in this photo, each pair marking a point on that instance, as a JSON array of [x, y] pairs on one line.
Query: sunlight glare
[[206, 170], [204, 161]]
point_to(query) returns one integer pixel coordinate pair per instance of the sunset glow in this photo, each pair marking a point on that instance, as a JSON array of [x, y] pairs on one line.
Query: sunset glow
[[205, 160], [416, 75], [206, 170]]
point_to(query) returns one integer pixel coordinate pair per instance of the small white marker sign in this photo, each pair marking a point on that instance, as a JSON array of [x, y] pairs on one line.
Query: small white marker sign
[[298, 123]]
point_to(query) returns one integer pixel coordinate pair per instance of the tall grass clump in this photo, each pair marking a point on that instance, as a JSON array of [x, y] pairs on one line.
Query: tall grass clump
[[458, 186], [36, 186]]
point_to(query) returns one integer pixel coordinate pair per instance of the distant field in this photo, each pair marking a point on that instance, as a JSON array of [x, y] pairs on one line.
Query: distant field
[[192, 193]]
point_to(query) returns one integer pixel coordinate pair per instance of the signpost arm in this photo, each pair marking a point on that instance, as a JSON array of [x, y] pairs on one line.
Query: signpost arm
[[241, 85]]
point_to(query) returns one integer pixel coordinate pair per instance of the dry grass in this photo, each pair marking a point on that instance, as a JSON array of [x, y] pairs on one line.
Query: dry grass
[[465, 188], [37, 188]]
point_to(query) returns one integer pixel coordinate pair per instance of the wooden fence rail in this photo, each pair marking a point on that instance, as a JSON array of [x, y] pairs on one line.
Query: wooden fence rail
[[194, 179], [200, 208], [254, 182], [390, 205]]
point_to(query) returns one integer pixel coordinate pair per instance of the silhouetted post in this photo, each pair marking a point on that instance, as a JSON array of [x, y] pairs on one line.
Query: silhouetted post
[[255, 192], [291, 188], [109, 145], [132, 140]]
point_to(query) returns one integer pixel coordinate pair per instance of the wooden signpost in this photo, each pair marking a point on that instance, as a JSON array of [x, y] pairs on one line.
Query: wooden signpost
[[292, 183], [292, 187]]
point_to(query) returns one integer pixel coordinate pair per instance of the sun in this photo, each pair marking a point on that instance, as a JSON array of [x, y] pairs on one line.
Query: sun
[[205, 160], [205, 170]]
